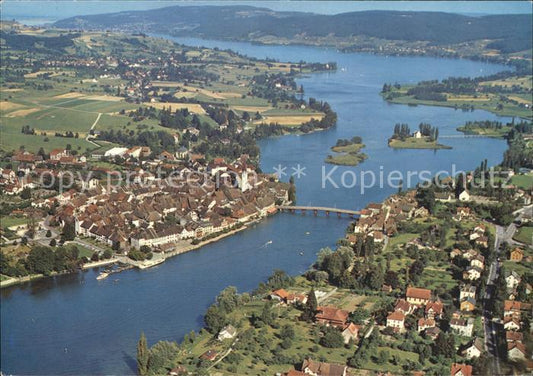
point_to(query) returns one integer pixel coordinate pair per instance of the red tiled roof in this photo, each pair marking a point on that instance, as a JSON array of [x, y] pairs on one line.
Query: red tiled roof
[[418, 293], [396, 316], [464, 368]]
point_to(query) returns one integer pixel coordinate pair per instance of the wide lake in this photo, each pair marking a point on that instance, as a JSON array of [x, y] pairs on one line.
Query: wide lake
[[76, 325]]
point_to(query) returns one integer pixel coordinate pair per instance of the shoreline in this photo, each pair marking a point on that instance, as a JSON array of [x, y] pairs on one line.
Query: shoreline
[[146, 264]]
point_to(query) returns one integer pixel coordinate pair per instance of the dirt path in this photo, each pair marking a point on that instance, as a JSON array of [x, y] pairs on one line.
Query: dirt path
[[90, 129]]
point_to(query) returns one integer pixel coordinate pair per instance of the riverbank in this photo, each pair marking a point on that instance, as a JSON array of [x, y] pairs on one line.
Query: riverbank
[[12, 281]]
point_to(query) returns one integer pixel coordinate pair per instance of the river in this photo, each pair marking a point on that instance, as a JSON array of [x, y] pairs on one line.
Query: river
[[76, 325]]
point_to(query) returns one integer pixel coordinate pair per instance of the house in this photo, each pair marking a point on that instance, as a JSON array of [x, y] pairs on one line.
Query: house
[[464, 196], [511, 308], [482, 241], [386, 288], [332, 316], [181, 153], [512, 280], [417, 134], [516, 255], [228, 332], [511, 323], [209, 355], [177, 371], [57, 154], [296, 298], [444, 197], [472, 273], [404, 307], [351, 332], [462, 326], [432, 333], [310, 367], [418, 296], [467, 305], [293, 372], [467, 291], [463, 212], [459, 369], [116, 151], [513, 336], [396, 320], [166, 156], [424, 324], [473, 349], [280, 295], [478, 261], [433, 310], [516, 350]]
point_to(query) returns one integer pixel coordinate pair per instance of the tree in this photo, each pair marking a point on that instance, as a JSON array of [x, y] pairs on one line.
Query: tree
[[444, 345], [310, 307], [25, 194], [41, 260], [48, 233], [332, 338], [162, 357], [287, 331], [279, 279], [359, 315], [228, 299], [142, 355], [383, 357], [214, 319], [69, 231]]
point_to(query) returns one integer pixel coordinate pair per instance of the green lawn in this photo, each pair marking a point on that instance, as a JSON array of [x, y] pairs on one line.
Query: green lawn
[[524, 235], [523, 181], [416, 143], [8, 221]]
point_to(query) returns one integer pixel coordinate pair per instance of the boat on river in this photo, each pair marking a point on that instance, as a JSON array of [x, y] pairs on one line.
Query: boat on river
[[102, 275]]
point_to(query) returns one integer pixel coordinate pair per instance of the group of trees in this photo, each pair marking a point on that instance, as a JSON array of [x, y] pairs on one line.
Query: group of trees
[[401, 131], [428, 130], [519, 154], [346, 142], [158, 359], [42, 260]]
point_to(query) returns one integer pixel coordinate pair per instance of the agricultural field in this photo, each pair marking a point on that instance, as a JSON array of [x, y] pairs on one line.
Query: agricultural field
[[53, 100]]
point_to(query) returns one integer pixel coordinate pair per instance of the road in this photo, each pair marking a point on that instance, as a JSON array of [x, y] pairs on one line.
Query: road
[[490, 327]]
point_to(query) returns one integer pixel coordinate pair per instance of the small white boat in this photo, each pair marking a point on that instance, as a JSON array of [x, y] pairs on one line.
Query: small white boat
[[307, 233], [301, 253], [102, 276], [269, 242]]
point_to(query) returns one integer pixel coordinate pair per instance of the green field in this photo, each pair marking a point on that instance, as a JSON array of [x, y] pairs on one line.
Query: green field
[[523, 181]]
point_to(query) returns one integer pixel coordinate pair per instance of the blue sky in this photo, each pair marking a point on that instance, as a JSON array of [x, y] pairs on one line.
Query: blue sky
[[53, 10]]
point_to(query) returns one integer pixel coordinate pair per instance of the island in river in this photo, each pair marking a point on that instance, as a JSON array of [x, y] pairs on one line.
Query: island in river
[[347, 152], [425, 138]]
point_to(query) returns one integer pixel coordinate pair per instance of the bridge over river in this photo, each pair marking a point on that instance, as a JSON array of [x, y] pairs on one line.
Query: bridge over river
[[316, 209]]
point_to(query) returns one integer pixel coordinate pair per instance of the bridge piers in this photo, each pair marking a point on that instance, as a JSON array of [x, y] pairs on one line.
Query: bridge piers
[[315, 212]]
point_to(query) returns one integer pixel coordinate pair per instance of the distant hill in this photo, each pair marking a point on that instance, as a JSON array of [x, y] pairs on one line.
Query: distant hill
[[509, 33]]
